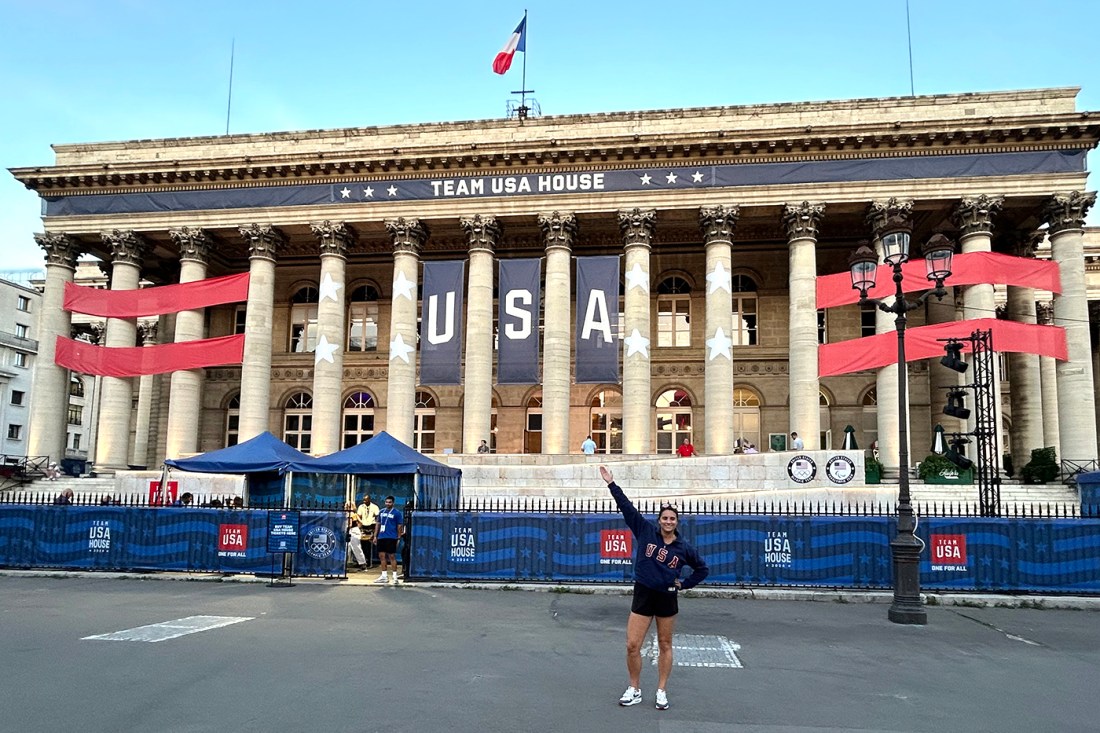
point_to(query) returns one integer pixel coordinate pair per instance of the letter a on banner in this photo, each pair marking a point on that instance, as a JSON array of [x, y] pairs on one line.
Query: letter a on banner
[[518, 318], [598, 346], [441, 323]]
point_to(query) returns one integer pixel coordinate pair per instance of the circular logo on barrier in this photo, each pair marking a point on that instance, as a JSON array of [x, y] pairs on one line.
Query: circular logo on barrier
[[840, 469], [802, 469], [320, 542]]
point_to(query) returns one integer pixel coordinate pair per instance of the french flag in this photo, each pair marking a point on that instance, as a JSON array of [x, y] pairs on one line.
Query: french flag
[[516, 42]]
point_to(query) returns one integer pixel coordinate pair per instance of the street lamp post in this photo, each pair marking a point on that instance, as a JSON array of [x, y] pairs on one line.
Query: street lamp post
[[906, 547]]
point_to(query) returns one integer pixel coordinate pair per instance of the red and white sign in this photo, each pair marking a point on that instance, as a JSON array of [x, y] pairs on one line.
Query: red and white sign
[[616, 543], [948, 552], [156, 497], [232, 540]]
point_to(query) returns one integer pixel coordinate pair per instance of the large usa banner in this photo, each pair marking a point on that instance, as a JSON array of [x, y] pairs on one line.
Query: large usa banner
[[597, 336], [441, 323], [518, 318]]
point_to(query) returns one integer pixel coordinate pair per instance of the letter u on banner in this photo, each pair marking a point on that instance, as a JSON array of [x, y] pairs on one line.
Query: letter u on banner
[[598, 347], [441, 323], [518, 319]]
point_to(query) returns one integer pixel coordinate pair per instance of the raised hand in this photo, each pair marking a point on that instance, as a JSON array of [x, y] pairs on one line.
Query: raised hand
[[605, 474]]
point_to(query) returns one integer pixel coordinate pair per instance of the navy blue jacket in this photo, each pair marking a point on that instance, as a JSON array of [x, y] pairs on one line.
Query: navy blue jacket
[[657, 565]]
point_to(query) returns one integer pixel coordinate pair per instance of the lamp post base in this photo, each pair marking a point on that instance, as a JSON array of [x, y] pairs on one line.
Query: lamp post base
[[904, 613]]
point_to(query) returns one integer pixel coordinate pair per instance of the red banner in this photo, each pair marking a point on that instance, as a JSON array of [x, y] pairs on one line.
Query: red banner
[[973, 268], [139, 360], [156, 301], [872, 352]]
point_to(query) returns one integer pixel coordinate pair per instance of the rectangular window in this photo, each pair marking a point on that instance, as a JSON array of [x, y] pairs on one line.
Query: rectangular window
[[76, 415], [20, 331], [744, 321], [17, 397], [867, 320], [239, 320], [15, 432], [20, 359], [23, 303], [363, 327], [673, 321], [822, 330], [76, 441]]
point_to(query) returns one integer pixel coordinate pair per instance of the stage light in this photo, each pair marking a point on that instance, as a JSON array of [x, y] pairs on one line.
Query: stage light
[[955, 406], [953, 359], [953, 454]]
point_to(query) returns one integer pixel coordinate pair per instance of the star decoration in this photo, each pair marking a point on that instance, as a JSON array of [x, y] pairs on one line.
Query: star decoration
[[368, 192], [719, 279], [329, 288], [324, 351], [392, 190], [403, 287], [345, 192], [645, 179], [637, 278], [696, 177], [720, 343], [671, 178], [636, 343], [400, 350]]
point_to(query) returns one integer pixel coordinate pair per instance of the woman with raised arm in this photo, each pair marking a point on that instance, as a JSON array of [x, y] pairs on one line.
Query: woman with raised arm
[[659, 559]]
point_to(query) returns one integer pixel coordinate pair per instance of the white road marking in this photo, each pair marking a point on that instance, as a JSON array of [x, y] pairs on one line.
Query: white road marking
[[171, 629], [698, 650]]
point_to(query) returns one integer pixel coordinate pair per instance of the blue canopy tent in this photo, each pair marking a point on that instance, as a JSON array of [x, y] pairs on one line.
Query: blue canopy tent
[[382, 466], [263, 459]]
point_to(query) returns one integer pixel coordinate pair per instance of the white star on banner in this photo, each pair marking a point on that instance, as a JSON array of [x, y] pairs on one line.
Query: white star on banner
[[400, 350], [368, 192], [637, 278], [671, 178], [392, 190], [403, 287], [636, 343], [719, 344], [696, 177], [329, 288], [719, 279], [324, 351], [646, 179], [345, 192]]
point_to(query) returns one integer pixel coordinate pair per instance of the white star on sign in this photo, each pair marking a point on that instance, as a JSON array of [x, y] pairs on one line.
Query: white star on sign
[[400, 350], [329, 288], [392, 190], [719, 279], [646, 179], [345, 192], [368, 192], [403, 287], [636, 343], [696, 177], [324, 351], [671, 178], [719, 344], [637, 278]]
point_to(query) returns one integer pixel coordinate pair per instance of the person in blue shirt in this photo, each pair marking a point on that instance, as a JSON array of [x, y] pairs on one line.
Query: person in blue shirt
[[391, 527], [659, 560]]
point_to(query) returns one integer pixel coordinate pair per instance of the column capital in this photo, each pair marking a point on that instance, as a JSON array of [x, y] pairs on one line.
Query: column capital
[[194, 243], [1065, 211], [333, 237], [61, 249], [482, 232], [1044, 312], [803, 219], [147, 330], [558, 230], [890, 215], [408, 235], [637, 226], [1022, 242], [263, 240], [974, 214], [717, 222], [127, 246]]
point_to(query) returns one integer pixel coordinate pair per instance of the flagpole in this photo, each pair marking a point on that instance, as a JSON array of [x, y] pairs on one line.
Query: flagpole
[[229, 104], [523, 85]]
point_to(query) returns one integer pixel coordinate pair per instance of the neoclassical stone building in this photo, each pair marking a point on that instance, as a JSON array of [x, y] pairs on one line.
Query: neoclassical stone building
[[723, 218]]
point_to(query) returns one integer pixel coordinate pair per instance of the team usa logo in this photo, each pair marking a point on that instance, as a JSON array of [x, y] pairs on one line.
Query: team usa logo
[[232, 540], [99, 536], [840, 469], [463, 545], [777, 550], [802, 469], [320, 542], [949, 552], [616, 547]]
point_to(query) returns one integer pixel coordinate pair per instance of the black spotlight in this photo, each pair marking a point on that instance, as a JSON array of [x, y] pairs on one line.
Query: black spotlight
[[955, 456], [955, 406], [953, 357]]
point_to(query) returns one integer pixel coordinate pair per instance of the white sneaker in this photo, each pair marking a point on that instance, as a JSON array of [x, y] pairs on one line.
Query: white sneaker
[[394, 580], [662, 700], [632, 696], [381, 580]]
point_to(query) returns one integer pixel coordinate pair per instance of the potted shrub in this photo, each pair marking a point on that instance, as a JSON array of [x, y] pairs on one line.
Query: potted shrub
[[935, 469], [872, 468], [1042, 468]]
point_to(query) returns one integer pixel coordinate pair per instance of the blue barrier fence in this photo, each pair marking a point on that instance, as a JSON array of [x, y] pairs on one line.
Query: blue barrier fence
[[984, 554], [167, 538]]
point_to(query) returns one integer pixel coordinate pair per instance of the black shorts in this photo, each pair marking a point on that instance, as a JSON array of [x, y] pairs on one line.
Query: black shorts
[[386, 545], [650, 602]]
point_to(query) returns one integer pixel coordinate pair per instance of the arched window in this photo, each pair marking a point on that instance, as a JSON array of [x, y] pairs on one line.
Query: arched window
[[673, 420], [532, 435], [870, 416], [358, 418], [363, 319], [746, 416], [298, 421], [424, 422], [744, 311], [303, 320], [232, 420], [606, 421], [493, 425], [674, 312]]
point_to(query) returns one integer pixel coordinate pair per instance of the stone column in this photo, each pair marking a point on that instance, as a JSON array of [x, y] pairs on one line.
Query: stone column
[[974, 218], [147, 332], [717, 223], [333, 239], [884, 217], [116, 403], [802, 221], [1023, 369], [482, 237], [1065, 217], [1048, 379], [558, 232], [263, 242], [636, 227], [185, 387], [408, 237], [50, 383]]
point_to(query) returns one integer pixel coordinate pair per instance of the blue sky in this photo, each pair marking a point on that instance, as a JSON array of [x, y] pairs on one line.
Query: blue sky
[[103, 70]]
